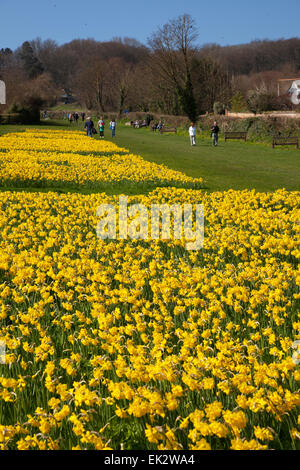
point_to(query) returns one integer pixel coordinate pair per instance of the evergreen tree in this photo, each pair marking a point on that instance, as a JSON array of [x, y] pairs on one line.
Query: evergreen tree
[[32, 65], [187, 99]]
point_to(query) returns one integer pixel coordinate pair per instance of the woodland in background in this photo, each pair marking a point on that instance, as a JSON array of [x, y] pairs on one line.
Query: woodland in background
[[170, 75]]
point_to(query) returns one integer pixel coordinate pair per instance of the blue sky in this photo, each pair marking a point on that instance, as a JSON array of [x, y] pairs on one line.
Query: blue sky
[[223, 22]]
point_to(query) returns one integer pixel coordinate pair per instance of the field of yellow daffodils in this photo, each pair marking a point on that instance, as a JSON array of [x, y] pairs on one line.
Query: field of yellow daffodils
[[142, 344], [62, 157]]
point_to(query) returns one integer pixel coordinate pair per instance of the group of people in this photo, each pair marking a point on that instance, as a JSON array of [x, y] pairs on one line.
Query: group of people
[[74, 117], [157, 126], [214, 133], [141, 123], [137, 124], [90, 127], [146, 123]]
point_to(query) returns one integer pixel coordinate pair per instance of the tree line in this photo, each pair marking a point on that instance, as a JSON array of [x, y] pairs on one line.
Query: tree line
[[171, 74]]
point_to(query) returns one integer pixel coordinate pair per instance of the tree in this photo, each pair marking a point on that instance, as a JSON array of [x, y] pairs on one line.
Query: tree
[[219, 108], [5, 59], [91, 85], [32, 65], [172, 52], [121, 80], [257, 56], [260, 99], [238, 103], [210, 83]]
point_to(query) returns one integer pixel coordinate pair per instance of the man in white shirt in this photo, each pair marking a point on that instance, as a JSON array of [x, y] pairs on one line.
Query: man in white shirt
[[192, 133]]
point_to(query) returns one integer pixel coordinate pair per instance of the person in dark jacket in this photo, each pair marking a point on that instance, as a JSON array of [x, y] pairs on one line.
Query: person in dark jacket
[[89, 125], [215, 133]]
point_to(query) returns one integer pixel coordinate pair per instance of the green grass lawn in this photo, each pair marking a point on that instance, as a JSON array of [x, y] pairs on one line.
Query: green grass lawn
[[234, 165]]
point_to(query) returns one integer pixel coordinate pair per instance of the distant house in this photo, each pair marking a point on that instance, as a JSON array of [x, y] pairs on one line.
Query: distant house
[[66, 96]]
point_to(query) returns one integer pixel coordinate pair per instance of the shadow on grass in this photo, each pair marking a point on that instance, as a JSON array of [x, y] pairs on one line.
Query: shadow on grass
[[45, 122], [124, 187]]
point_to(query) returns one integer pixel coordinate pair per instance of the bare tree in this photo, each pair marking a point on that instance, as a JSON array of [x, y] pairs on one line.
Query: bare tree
[[173, 49], [91, 83], [257, 56], [121, 80], [211, 84]]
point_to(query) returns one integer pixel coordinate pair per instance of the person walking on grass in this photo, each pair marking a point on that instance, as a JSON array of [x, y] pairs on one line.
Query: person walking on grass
[[192, 133], [101, 127], [112, 126], [160, 126], [89, 127], [215, 133]]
